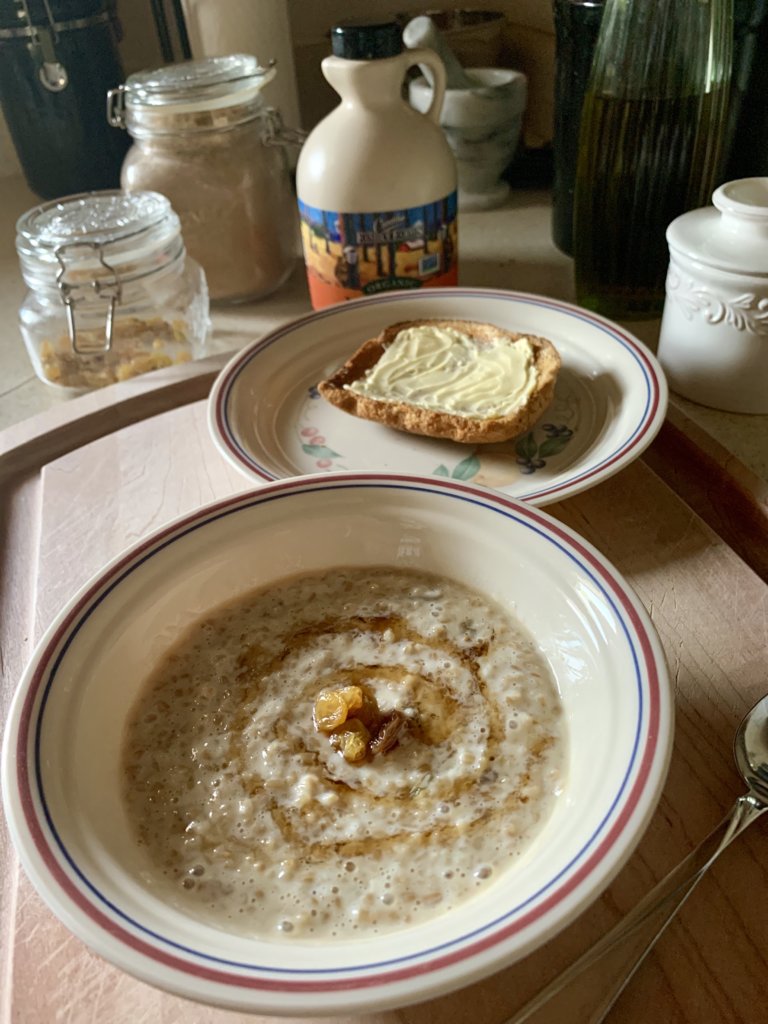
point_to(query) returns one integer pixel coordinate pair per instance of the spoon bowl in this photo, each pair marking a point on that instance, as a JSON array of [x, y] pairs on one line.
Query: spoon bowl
[[750, 750]]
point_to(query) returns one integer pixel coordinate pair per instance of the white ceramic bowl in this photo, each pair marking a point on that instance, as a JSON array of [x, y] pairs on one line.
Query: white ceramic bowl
[[60, 767]]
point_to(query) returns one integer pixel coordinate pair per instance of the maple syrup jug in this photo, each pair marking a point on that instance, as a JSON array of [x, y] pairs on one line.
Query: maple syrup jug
[[376, 180]]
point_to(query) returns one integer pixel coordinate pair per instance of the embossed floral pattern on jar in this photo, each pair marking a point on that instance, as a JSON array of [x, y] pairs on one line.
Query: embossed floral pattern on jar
[[713, 343]]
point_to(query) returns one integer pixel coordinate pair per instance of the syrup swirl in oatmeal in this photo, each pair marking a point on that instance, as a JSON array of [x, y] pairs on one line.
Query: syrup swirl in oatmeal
[[253, 821]]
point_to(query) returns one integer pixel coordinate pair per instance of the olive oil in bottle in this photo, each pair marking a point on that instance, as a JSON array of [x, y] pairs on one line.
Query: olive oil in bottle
[[650, 143]]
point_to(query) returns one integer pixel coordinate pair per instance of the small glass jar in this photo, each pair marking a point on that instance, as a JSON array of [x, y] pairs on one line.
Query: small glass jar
[[203, 137], [112, 292]]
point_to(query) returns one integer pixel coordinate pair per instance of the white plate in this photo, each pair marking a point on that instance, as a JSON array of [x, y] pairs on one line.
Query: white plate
[[267, 418]]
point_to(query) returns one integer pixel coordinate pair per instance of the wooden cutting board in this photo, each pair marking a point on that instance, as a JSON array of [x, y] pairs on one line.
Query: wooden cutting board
[[82, 483]]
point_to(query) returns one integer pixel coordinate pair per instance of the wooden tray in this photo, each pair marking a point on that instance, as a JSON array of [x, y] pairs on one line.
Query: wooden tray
[[686, 525]]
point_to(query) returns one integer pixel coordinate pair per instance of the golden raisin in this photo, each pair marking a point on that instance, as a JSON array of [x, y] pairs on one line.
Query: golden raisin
[[333, 706], [353, 697], [351, 740]]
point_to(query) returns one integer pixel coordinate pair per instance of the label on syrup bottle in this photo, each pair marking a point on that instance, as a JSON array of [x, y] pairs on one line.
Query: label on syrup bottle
[[352, 254]]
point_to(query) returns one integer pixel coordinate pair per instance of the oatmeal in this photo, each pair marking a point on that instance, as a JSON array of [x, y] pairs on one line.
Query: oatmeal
[[347, 751]]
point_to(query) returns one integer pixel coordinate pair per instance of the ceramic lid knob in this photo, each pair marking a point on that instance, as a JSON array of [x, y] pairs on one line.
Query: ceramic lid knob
[[743, 205], [732, 234]]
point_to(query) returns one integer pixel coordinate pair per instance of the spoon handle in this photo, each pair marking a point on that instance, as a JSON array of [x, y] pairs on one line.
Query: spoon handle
[[584, 992]]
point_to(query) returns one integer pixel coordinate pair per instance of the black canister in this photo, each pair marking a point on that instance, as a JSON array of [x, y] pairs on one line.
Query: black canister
[[58, 58], [577, 23]]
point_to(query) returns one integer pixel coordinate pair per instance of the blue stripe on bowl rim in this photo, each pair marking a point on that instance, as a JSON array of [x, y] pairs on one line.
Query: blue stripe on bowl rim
[[91, 902], [639, 437]]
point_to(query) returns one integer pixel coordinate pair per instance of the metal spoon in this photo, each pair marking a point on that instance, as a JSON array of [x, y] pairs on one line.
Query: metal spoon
[[634, 936]]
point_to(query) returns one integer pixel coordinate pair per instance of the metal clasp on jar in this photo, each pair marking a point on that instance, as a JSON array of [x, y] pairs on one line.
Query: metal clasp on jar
[[107, 288], [116, 106], [277, 133]]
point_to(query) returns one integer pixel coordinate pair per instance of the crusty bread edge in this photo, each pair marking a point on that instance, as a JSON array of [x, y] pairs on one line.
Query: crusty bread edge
[[417, 420]]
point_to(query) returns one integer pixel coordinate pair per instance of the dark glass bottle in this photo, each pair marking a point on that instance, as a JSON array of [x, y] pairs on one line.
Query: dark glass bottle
[[747, 143], [58, 58], [577, 23], [652, 130]]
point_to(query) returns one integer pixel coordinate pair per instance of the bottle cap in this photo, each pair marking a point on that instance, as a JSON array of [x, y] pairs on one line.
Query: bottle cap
[[366, 41]]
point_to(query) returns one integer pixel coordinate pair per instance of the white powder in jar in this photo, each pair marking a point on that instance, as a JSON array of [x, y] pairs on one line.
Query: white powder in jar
[[232, 193]]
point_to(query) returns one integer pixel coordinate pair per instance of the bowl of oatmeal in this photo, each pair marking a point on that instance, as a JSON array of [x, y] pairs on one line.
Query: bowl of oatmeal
[[337, 744]]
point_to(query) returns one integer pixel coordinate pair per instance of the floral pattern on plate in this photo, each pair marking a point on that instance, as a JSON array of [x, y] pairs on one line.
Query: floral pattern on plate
[[505, 461]]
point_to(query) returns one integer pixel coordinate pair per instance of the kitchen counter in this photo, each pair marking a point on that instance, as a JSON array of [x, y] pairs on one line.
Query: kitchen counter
[[506, 248]]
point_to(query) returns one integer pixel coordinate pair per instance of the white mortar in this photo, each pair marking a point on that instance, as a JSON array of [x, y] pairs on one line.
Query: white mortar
[[482, 125]]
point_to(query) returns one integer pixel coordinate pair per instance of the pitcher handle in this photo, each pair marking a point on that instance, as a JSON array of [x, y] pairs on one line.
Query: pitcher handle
[[428, 58]]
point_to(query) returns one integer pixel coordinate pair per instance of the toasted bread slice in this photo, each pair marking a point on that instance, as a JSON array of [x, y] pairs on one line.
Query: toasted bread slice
[[420, 419]]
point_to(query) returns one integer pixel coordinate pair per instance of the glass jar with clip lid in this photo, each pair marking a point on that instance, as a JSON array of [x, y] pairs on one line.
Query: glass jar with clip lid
[[112, 292], [204, 137]]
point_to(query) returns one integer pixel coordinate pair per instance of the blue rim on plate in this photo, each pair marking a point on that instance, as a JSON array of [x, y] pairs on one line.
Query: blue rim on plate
[[53, 868], [641, 394]]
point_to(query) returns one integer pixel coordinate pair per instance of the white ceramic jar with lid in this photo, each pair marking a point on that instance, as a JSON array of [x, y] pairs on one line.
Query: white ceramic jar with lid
[[713, 343], [203, 137], [112, 292]]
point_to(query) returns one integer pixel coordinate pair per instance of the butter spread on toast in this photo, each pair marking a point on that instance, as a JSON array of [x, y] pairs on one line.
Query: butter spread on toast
[[441, 368]]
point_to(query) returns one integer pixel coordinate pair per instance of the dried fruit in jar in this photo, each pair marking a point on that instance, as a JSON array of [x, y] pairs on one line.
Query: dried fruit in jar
[[138, 346]]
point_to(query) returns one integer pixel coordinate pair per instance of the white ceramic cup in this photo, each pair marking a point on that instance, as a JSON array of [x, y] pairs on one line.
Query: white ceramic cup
[[713, 343], [482, 124]]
